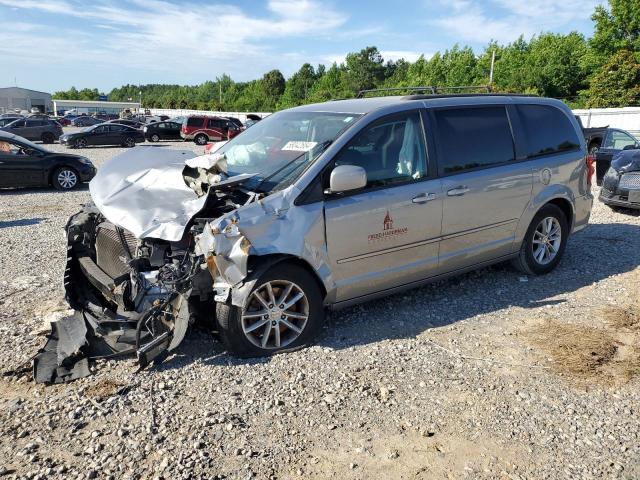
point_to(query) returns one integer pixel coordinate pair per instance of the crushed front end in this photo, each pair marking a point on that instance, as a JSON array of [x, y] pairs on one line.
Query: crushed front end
[[132, 293], [621, 183]]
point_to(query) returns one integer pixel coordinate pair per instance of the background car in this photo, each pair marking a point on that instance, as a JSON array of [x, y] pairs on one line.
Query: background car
[[65, 122], [37, 129], [129, 123], [103, 134], [25, 164], [7, 120], [157, 131], [85, 121], [202, 129], [614, 141]]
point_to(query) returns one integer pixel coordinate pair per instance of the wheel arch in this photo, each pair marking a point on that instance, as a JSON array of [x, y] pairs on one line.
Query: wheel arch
[[258, 264]]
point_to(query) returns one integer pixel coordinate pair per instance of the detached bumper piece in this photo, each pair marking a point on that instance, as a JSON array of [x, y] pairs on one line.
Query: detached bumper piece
[[100, 329]]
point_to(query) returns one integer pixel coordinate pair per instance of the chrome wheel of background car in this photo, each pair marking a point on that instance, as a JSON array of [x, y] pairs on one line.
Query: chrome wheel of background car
[[81, 143], [155, 137], [547, 239], [129, 142], [67, 179], [276, 314], [201, 140]]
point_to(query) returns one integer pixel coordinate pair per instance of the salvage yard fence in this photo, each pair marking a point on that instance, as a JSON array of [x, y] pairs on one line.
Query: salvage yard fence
[[627, 118]]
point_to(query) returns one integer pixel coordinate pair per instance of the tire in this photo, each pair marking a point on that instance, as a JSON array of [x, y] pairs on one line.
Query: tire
[[81, 143], [65, 178], [129, 142], [48, 137], [201, 139], [155, 137], [528, 260], [232, 324]]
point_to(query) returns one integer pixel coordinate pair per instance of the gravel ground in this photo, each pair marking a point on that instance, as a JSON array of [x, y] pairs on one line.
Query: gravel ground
[[458, 379]]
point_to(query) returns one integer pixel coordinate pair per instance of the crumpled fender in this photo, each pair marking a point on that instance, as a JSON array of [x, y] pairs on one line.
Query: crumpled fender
[[272, 225]]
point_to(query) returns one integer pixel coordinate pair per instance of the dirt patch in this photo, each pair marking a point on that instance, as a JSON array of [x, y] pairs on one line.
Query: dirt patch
[[624, 317], [104, 388], [586, 354]]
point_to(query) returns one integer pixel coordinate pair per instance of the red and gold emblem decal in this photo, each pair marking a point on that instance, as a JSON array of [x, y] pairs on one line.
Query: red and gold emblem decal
[[387, 230]]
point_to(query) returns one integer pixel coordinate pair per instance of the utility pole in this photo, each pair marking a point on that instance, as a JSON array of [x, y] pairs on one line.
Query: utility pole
[[493, 61], [220, 94]]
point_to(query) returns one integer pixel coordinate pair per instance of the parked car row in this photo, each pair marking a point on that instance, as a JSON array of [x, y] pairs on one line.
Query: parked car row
[[25, 164]]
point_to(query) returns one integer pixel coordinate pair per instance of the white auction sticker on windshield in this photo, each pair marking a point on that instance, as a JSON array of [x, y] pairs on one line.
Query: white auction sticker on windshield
[[298, 146]]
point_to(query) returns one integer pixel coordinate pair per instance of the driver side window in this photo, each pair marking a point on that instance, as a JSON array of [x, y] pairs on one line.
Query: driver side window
[[391, 150], [8, 148], [618, 140]]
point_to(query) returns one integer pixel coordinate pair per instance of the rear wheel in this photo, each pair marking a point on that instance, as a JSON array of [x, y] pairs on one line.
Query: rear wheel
[[201, 139], [65, 178], [544, 242], [283, 312], [48, 137]]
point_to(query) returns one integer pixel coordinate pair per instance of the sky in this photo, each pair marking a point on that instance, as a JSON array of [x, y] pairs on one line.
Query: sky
[[51, 45]]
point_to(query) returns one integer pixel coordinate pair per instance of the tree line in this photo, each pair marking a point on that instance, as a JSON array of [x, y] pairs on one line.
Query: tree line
[[601, 71]]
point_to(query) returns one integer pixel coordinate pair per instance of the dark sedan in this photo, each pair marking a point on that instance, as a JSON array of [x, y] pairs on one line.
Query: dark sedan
[[85, 121], [621, 183], [613, 142], [157, 131], [103, 134], [129, 123], [25, 164]]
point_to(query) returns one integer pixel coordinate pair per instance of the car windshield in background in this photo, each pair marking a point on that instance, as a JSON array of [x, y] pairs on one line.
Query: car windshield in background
[[88, 129], [283, 144]]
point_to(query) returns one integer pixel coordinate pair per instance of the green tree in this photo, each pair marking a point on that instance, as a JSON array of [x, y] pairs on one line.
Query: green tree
[[365, 69], [616, 28], [617, 84]]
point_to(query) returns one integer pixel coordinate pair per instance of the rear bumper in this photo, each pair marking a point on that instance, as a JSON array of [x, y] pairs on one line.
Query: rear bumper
[[582, 212]]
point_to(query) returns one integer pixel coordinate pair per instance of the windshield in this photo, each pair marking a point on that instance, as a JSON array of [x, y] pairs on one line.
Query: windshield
[[278, 148], [88, 129]]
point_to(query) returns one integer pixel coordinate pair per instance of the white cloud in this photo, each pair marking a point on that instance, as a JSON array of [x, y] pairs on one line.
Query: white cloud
[[505, 20], [156, 34]]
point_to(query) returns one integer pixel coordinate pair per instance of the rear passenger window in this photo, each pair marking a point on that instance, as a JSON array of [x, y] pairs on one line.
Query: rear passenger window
[[473, 138], [547, 130], [391, 150], [195, 122]]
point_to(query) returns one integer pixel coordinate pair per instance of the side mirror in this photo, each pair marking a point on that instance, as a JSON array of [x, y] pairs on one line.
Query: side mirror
[[347, 177]]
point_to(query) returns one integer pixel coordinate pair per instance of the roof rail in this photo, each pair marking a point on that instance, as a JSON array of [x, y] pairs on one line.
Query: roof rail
[[431, 89]]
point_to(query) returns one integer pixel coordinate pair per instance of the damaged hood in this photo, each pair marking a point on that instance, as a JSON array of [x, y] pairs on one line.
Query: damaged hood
[[143, 190], [626, 161]]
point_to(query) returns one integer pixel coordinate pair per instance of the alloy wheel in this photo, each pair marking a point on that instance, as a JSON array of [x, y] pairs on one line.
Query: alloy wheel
[[67, 179], [129, 142], [276, 314], [547, 239]]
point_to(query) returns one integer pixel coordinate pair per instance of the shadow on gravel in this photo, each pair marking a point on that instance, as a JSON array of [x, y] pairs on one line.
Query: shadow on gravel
[[598, 252], [24, 222], [22, 190]]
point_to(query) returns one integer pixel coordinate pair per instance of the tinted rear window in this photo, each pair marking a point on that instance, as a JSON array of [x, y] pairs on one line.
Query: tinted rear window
[[547, 130], [473, 138], [195, 122]]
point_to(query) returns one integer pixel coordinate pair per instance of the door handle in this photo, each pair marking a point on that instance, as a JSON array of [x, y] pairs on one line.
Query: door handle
[[424, 198], [458, 191]]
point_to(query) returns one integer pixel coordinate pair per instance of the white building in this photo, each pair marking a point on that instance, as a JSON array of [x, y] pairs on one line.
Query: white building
[[89, 107], [14, 99]]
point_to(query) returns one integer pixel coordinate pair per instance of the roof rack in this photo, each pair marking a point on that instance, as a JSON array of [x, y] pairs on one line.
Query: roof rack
[[432, 90]]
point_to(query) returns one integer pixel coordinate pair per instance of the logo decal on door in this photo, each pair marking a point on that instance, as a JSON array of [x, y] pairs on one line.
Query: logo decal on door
[[387, 230]]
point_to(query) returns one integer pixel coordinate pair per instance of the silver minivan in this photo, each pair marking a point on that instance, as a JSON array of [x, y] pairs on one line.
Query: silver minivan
[[320, 207]]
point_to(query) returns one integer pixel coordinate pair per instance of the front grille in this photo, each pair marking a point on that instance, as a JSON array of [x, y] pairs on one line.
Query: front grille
[[111, 256], [630, 181]]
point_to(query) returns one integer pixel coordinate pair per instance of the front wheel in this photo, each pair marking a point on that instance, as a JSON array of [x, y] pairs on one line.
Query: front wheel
[[65, 178], [544, 242], [48, 138], [283, 312], [81, 143]]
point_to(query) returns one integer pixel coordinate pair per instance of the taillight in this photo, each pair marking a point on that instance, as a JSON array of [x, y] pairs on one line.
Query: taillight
[[590, 159]]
